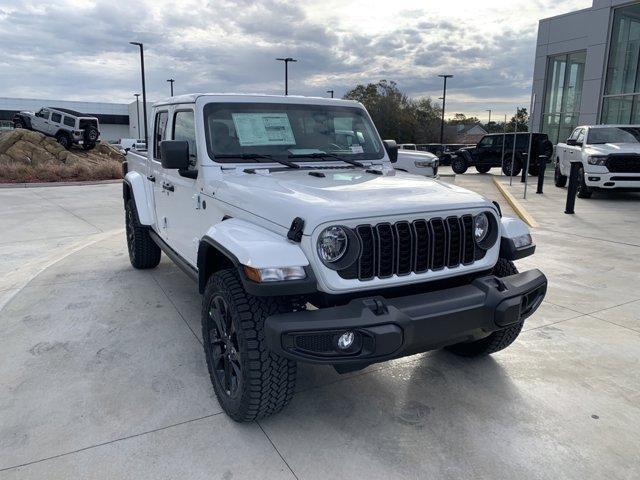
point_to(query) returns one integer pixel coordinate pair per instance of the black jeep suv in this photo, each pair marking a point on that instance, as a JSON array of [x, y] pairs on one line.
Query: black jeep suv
[[496, 150]]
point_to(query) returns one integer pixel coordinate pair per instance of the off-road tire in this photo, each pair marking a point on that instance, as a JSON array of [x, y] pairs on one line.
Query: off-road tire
[[459, 165], [506, 166], [267, 381], [584, 191], [498, 340], [144, 253], [19, 124], [558, 179], [88, 146], [483, 168], [91, 134], [64, 140]]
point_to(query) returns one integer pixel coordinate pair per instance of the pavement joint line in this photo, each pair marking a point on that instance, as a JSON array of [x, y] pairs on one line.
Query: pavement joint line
[[81, 183], [554, 323], [70, 250], [68, 211], [591, 238], [515, 205], [109, 442], [277, 451], [614, 323], [176, 309]]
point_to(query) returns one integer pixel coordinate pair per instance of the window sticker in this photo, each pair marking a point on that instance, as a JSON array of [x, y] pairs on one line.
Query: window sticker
[[357, 149], [256, 129]]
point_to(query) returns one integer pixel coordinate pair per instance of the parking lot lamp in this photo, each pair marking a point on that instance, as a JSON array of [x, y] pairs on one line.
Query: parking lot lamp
[[171, 80], [137, 95], [444, 99], [489, 122], [144, 92], [286, 72]]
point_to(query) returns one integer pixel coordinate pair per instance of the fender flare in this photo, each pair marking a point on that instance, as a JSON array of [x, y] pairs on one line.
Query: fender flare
[[511, 228], [133, 188], [24, 118], [240, 243]]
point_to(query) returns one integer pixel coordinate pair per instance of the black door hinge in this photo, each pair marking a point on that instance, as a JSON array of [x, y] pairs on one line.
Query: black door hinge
[[295, 231]]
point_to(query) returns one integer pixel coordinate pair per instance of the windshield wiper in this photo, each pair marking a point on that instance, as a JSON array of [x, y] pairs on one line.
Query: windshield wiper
[[258, 157], [328, 155]]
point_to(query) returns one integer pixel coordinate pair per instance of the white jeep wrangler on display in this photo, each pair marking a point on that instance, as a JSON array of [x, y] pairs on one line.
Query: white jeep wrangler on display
[[609, 158], [68, 127], [307, 247]]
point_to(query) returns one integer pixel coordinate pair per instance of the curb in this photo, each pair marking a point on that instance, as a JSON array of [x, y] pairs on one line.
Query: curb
[[58, 184], [517, 207]]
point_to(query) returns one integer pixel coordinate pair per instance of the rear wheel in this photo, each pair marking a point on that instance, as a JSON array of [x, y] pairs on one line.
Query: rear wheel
[[143, 251], [497, 340], [249, 381], [459, 165], [506, 166], [19, 124], [90, 135], [88, 146], [64, 140], [483, 168], [584, 191], [559, 179]]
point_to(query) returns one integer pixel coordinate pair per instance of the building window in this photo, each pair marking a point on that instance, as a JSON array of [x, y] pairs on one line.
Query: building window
[[621, 103], [563, 94]]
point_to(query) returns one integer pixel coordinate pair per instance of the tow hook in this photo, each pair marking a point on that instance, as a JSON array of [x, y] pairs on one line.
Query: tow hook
[[376, 306]]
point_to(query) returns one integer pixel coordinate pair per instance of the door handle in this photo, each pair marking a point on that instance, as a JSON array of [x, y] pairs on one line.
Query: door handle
[[151, 178], [168, 186]]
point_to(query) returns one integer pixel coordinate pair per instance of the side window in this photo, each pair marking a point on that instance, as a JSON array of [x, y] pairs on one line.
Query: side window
[[56, 117], [43, 113], [69, 122], [184, 129], [159, 132], [486, 142], [580, 138], [574, 135]]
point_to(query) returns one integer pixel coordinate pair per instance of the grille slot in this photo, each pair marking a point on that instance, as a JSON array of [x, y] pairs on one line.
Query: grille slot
[[403, 247], [624, 164]]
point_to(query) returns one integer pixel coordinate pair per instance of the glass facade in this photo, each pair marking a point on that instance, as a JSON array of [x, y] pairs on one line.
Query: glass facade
[[621, 102], [563, 94]]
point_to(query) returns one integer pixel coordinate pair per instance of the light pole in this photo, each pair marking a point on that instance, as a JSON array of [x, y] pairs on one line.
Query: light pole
[[444, 99], [171, 80], [489, 123], [137, 95], [331, 92], [144, 92], [286, 72]]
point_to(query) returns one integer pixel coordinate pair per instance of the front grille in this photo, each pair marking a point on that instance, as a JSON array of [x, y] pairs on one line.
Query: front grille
[[404, 247], [624, 164]]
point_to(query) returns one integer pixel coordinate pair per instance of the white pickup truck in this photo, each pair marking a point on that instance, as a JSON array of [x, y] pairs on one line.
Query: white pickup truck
[[609, 157], [307, 246]]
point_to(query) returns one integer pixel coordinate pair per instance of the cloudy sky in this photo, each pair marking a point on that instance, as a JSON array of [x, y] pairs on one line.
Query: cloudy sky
[[78, 49]]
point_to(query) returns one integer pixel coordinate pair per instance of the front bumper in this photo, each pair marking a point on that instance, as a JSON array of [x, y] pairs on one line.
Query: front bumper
[[613, 180], [396, 327]]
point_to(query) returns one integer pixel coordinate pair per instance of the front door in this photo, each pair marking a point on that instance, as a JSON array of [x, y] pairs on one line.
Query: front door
[[40, 121], [183, 213], [156, 174]]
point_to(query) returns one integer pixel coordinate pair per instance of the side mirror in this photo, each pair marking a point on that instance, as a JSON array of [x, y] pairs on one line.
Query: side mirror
[[572, 142], [174, 154], [392, 150]]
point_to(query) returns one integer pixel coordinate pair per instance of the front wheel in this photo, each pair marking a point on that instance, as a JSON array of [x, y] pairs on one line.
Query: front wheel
[[483, 168], [249, 381], [19, 124], [559, 179], [143, 251], [584, 191], [459, 165], [498, 340]]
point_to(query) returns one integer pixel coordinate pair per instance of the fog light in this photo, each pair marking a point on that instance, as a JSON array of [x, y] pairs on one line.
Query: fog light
[[346, 340]]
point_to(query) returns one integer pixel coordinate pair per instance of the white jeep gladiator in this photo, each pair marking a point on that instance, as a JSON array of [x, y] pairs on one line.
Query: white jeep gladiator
[[307, 247], [609, 158]]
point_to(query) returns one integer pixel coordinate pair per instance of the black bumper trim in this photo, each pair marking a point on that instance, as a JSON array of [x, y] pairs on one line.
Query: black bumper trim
[[419, 322]]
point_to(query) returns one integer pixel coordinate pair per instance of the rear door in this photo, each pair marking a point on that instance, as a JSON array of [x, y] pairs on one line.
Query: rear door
[[55, 123]]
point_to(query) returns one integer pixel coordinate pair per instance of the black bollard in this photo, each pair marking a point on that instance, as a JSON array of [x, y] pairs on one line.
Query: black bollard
[[542, 166], [572, 189], [525, 167]]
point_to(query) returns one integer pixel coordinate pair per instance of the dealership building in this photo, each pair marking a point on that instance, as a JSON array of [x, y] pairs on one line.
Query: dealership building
[[117, 120], [587, 69]]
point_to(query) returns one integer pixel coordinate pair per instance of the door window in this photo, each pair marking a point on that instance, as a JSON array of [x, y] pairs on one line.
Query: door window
[[43, 113], [69, 122], [56, 117], [159, 132], [184, 129], [580, 137]]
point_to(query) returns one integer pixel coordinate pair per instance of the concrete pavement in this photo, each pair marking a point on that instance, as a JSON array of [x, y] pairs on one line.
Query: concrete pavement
[[102, 371]]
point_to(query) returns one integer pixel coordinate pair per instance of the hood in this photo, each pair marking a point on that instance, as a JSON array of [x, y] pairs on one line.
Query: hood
[[342, 194], [608, 148]]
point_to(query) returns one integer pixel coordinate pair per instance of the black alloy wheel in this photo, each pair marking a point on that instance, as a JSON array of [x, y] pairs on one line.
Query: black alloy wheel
[[222, 347]]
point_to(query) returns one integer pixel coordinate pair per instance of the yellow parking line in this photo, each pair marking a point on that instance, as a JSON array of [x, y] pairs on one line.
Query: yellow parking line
[[515, 204]]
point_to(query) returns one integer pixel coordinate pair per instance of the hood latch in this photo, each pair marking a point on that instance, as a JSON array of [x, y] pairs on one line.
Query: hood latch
[[295, 231]]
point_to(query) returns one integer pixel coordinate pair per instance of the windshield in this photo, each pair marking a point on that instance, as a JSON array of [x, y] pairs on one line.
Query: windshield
[[613, 135], [240, 132]]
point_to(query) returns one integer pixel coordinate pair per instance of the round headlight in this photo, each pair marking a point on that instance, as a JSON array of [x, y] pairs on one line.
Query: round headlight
[[332, 244], [480, 227]]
